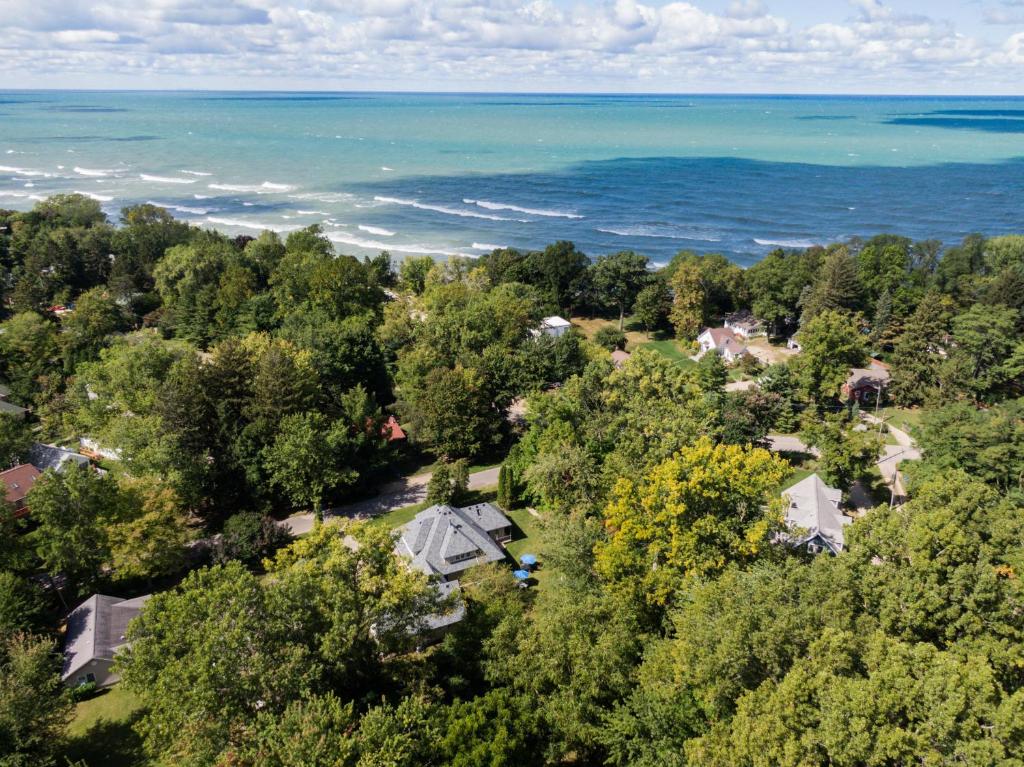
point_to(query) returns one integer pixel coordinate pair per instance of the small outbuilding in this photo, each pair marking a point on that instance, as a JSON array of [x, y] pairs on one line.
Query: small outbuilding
[[554, 326]]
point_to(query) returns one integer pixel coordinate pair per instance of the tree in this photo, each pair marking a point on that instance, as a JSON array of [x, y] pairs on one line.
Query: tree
[[559, 269], [73, 510], [692, 514], [21, 605], [412, 273], [506, 487], [618, 278], [249, 537], [610, 338], [836, 288], [28, 348], [309, 457], [15, 440], [687, 315], [451, 412], [831, 344], [846, 455], [34, 704], [983, 339], [151, 540], [653, 304], [920, 350], [449, 483], [96, 316]]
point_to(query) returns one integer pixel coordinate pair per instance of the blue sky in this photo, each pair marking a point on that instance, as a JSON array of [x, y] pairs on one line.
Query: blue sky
[[770, 46]]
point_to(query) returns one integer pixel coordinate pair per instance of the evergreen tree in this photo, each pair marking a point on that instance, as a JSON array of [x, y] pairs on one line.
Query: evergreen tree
[[837, 287]]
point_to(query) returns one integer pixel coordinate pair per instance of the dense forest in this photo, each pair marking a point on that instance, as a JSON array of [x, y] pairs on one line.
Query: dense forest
[[227, 382]]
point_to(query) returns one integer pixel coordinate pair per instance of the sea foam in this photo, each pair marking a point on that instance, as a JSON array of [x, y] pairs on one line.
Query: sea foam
[[179, 208], [376, 230], [92, 171], [444, 210], [787, 243], [166, 179], [257, 225], [528, 211], [265, 188], [664, 231], [97, 197]]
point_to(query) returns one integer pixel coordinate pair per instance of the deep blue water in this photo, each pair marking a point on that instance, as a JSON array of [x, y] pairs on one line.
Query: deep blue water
[[442, 174]]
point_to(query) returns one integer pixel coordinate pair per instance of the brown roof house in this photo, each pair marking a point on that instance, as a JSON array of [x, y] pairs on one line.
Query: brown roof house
[[17, 482], [722, 341], [96, 632]]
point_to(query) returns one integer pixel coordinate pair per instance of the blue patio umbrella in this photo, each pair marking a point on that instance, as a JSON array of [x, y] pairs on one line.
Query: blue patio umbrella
[[521, 575], [528, 559]]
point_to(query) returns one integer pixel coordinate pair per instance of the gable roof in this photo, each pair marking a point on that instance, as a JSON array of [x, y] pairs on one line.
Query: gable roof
[[45, 457], [391, 430], [96, 630], [442, 533], [18, 481], [814, 509], [555, 322], [872, 376], [724, 340], [10, 407]]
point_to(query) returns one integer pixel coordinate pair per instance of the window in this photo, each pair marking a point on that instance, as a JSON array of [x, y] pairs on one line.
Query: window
[[90, 677]]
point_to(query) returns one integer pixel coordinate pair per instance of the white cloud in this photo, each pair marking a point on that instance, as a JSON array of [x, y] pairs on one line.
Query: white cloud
[[501, 44]]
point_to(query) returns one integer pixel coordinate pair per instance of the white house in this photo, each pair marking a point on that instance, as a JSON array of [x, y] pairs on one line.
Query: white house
[[813, 516], [744, 324], [722, 341], [556, 327]]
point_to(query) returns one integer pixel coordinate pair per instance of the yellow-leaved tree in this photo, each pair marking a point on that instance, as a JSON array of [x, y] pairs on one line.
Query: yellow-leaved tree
[[691, 515]]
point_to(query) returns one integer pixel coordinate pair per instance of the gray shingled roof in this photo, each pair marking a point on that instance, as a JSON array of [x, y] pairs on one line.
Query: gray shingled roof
[[10, 407], [814, 511], [45, 457], [458, 609], [96, 630], [437, 535]]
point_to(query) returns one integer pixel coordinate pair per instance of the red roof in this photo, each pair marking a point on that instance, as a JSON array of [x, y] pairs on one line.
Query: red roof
[[392, 430], [18, 481]]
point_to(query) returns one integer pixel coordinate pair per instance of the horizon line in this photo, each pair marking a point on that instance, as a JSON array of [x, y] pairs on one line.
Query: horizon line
[[619, 94]]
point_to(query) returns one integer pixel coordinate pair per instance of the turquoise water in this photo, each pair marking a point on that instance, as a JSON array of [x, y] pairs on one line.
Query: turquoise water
[[444, 174]]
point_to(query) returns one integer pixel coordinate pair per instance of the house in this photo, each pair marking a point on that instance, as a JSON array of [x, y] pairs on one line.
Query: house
[[620, 357], [45, 457], [813, 516], [96, 451], [391, 431], [96, 630], [9, 407], [722, 341], [444, 540], [866, 384], [556, 327], [431, 629], [744, 324], [17, 482]]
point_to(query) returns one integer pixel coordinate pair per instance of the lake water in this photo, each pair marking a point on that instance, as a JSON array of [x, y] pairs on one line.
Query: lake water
[[446, 174]]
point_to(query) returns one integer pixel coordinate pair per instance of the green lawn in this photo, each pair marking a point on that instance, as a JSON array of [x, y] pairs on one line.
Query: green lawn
[[526, 539], [669, 348], [100, 733], [906, 419], [798, 475]]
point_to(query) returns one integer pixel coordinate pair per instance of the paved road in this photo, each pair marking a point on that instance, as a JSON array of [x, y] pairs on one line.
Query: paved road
[[395, 495]]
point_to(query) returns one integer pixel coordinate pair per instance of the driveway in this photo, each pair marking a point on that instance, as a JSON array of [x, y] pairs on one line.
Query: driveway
[[395, 495]]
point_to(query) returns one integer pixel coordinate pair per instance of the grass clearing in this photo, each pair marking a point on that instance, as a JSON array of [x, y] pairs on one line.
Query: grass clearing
[[905, 419], [670, 349], [100, 732]]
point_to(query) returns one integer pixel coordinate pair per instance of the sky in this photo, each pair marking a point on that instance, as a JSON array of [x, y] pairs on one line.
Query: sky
[[972, 47]]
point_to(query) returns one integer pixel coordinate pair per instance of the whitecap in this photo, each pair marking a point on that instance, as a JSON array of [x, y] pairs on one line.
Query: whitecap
[[487, 246], [444, 210], [248, 204], [787, 243], [376, 230], [196, 173], [265, 188], [243, 224], [12, 193], [97, 197], [24, 171], [311, 212], [166, 179], [528, 211], [202, 196], [179, 208], [92, 171], [667, 232], [386, 168], [344, 238]]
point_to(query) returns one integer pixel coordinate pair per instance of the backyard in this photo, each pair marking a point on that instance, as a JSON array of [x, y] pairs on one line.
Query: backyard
[[101, 731]]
